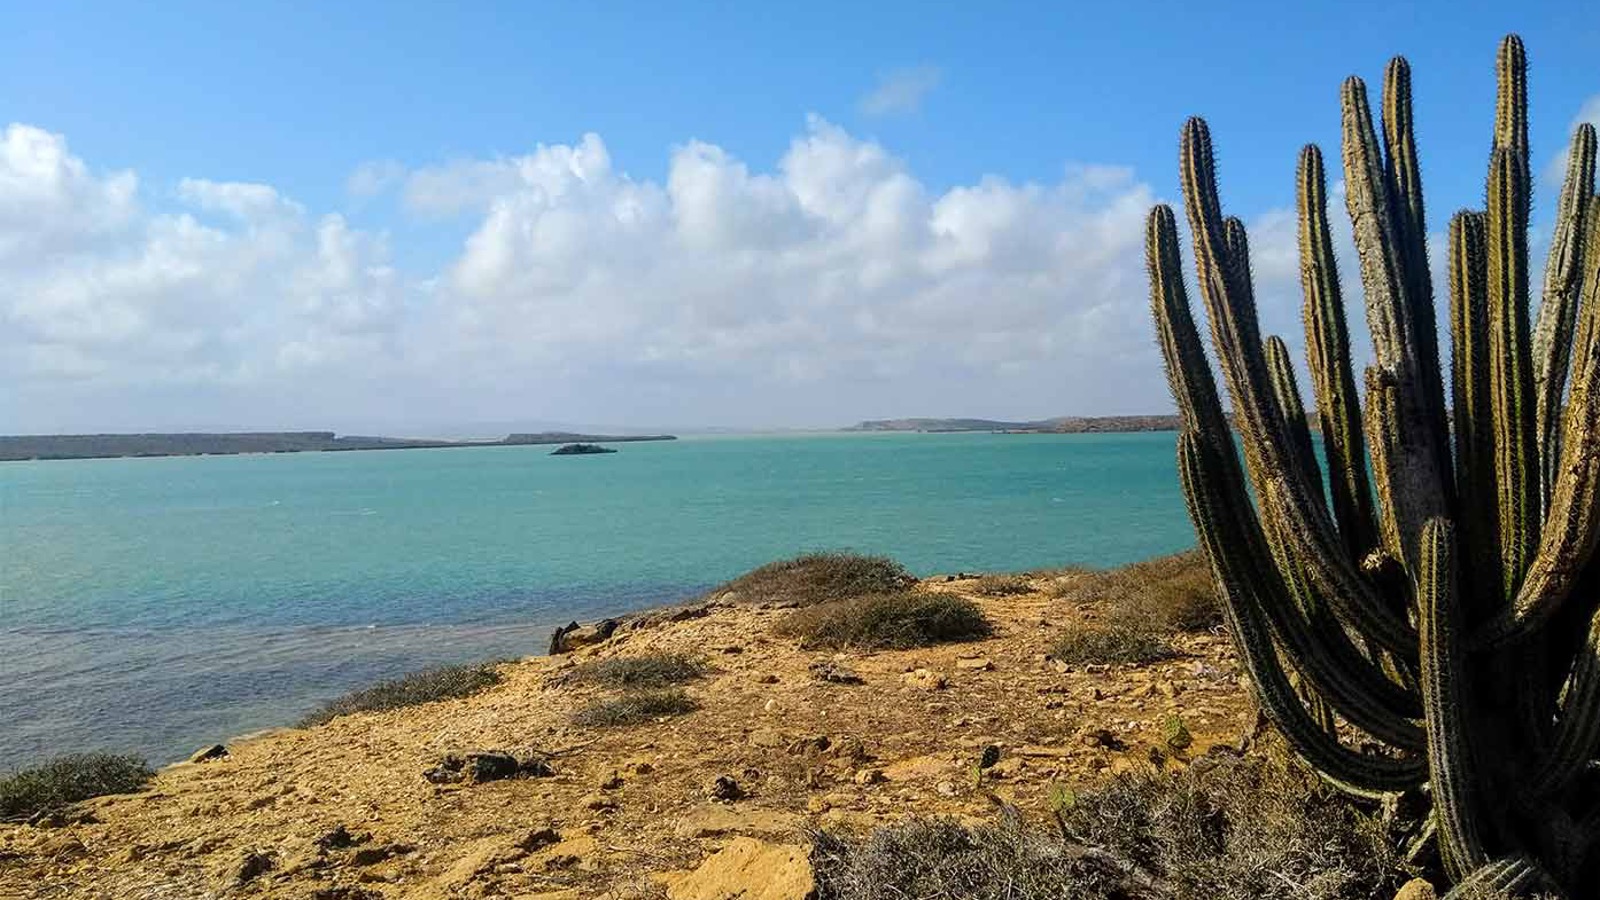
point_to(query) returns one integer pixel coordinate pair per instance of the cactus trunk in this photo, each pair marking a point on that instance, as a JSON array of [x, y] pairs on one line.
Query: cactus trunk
[[1445, 605]]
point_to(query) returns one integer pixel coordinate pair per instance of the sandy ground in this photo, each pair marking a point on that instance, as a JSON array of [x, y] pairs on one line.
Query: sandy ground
[[628, 803]]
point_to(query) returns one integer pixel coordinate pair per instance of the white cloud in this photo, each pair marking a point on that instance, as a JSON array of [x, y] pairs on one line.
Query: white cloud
[[373, 177], [833, 286], [901, 91], [1556, 171]]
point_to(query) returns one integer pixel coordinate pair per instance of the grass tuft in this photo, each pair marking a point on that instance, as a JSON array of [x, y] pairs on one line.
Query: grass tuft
[[65, 780], [888, 622], [1169, 593], [1111, 643], [814, 578], [439, 683], [635, 707], [651, 670], [1231, 829], [1001, 586]]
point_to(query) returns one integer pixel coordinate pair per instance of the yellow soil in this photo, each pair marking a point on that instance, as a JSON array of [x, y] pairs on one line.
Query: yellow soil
[[896, 749]]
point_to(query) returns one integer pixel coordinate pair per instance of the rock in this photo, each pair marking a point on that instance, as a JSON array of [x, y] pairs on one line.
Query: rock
[[724, 788], [925, 679], [748, 869], [480, 766], [810, 746], [870, 776], [207, 754], [252, 866], [571, 636], [849, 748], [1416, 889], [977, 663], [767, 737], [370, 856], [766, 678], [598, 802], [946, 788], [1102, 737], [339, 838], [539, 838], [829, 671]]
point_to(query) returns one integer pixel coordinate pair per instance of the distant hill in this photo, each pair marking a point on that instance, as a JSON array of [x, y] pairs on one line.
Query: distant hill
[[102, 446], [1061, 425]]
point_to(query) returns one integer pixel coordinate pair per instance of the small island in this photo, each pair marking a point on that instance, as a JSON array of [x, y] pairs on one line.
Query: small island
[[580, 450]]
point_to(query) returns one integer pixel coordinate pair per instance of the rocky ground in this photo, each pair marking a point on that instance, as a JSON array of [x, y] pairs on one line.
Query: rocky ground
[[344, 811]]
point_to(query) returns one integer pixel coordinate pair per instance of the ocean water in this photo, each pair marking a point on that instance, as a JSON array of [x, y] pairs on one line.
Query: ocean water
[[154, 605]]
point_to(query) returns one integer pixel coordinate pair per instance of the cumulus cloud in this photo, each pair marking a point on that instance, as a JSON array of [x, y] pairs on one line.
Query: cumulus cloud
[[832, 286], [900, 91], [1556, 171]]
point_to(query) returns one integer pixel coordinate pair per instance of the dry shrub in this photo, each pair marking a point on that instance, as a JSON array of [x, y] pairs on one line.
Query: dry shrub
[[814, 578], [1001, 586], [1115, 642], [887, 622], [65, 780], [1171, 593], [635, 707], [439, 683], [1225, 829], [650, 670]]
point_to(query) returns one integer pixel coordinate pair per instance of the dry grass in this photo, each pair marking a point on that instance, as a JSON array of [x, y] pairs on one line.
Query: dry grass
[[887, 622], [65, 780], [651, 670], [1171, 593], [1001, 586], [635, 707], [1111, 643], [440, 683], [815, 578], [1227, 829]]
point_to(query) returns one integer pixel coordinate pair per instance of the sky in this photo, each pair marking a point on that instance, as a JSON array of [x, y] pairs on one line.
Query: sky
[[438, 218]]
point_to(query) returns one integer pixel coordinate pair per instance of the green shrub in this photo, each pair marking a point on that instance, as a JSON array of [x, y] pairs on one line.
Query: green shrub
[[1113, 643], [68, 779], [888, 622], [635, 707], [815, 578], [1001, 586], [1171, 593], [1229, 829], [439, 683], [648, 671]]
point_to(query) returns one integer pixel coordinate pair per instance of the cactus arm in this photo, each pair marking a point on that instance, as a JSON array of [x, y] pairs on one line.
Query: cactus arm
[[1510, 356], [1291, 409], [1577, 732], [1452, 771], [1278, 481], [1328, 359], [1330, 663], [1563, 281], [1210, 509], [1516, 876], [1403, 182], [1475, 474], [1411, 487], [1572, 525]]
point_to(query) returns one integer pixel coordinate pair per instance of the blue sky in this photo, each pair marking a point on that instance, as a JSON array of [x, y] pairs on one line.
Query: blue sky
[[1081, 102]]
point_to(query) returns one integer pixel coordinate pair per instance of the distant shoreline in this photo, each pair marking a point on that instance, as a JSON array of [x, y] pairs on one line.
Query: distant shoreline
[[1060, 425], [18, 448]]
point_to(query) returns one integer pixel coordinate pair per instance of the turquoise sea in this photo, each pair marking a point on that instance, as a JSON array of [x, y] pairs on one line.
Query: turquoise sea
[[153, 605]]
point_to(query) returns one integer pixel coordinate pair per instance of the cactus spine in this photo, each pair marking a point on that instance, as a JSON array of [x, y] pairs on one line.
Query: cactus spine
[[1446, 602]]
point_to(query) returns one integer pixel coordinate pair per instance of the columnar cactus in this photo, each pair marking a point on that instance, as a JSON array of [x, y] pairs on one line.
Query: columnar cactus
[[1444, 602]]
